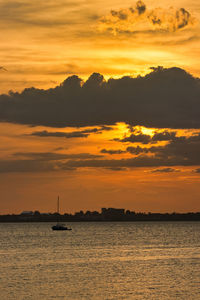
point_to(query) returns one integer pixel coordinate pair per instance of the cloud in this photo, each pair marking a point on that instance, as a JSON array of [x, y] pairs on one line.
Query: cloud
[[140, 7], [111, 152], [50, 156], [136, 138], [116, 169], [164, 136], [165, 98], [60, 148], [106, 128], [141, 19], [137, 150], [180, 151], [42, 161], [171, 20], [68, 135], [143, 160], [165, 170], [3, 69], [43, 14], [26, 165], [74, 134], [136, 162]]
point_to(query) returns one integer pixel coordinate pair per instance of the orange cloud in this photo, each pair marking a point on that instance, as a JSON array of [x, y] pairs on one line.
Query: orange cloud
[[139, 18]]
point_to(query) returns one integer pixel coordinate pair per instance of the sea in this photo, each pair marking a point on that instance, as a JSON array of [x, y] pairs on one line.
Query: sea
[[105, 260]]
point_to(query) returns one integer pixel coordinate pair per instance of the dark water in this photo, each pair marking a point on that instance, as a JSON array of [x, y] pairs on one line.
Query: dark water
[[100, 261]]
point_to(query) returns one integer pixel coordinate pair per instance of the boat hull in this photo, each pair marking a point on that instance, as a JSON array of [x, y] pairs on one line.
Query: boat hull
[[60, 228]]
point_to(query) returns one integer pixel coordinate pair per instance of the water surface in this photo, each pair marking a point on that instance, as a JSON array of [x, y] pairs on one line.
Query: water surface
[[100, 261]]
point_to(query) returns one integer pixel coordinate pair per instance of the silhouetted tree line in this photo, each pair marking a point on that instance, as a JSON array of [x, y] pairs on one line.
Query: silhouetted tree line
[[106, 215]]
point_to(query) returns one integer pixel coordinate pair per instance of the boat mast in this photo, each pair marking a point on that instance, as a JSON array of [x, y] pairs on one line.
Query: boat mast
[[58, 205]]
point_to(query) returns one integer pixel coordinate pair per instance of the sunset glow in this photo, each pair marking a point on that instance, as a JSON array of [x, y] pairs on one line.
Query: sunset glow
[[100, 104]]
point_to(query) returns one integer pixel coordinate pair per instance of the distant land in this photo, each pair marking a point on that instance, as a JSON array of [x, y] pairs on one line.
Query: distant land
[[106, 215]]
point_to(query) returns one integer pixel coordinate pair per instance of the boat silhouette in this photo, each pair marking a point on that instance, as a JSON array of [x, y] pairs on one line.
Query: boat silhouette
[[59, 226]]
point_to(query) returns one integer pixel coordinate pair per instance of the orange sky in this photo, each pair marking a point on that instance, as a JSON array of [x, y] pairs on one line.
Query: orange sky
[[41, 43], [94, 158]]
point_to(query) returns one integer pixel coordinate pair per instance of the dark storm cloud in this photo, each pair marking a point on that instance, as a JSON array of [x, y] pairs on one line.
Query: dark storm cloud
[[165, 98]]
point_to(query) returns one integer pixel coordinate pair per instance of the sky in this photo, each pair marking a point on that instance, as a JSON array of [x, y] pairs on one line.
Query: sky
[[99, 104]]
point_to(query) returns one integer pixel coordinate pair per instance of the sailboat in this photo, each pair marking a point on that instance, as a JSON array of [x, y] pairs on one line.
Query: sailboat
[[59, 226]]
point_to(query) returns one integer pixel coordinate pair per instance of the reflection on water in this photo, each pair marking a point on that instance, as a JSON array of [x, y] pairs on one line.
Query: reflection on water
[[100, 261]]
